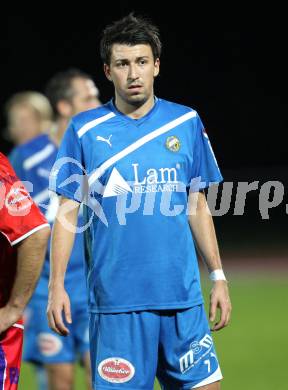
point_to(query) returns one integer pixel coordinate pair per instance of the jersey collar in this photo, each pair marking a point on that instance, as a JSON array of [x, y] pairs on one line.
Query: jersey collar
[[136, 122]]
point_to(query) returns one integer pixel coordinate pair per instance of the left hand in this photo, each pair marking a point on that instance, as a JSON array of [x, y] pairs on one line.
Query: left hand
[[58, 304], [219, 298]]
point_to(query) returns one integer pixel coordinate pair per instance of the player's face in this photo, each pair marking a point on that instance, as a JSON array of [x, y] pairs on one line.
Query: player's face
[[24, 123], [85, 95], [132, 70]]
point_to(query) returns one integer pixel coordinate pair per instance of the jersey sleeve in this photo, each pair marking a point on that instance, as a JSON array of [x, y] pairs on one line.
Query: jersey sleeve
[[19, 216], [68, 176], [205, 170]]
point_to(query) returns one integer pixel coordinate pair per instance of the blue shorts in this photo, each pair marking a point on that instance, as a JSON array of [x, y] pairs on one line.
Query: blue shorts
[[128, 350], [43, 346]]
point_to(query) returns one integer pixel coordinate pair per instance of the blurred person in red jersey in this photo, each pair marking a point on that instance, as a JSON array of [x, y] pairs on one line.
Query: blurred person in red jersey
[[24, 234]]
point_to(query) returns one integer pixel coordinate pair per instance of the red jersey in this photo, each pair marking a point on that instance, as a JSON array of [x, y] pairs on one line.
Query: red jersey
[[19, 217]]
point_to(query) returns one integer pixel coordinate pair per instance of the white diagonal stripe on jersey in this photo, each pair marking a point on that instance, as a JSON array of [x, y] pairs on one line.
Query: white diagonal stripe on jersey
[[140, 142], [30, 162], [41, 196], [94, 123]]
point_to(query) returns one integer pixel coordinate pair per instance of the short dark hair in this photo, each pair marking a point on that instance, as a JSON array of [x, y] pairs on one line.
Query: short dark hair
[[130, 30], [59, 87]]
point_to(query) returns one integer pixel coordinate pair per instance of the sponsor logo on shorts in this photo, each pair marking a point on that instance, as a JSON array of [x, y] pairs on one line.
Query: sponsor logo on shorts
[[196, 347], [189, 359], [18, 201], [49, 345], [116, 370]]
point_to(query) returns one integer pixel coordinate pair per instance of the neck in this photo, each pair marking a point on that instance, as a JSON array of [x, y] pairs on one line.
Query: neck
[[134, 112], [58, 130]]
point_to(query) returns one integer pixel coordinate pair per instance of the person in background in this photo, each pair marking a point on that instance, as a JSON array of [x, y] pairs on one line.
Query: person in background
[[29, 114], [70, 92]]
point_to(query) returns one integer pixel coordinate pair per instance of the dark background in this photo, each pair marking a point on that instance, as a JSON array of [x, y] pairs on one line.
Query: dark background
[[227, 63]]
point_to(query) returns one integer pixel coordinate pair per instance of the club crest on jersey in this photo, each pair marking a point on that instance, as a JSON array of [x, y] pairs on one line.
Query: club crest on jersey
[[173, 143]]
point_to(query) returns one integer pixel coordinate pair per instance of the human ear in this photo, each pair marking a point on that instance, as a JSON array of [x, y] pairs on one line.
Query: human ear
[[156, 67], [107, 72]]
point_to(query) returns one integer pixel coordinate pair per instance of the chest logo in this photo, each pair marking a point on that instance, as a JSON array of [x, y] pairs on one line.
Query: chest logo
[[173, 143], [116, 185], [107, 140]]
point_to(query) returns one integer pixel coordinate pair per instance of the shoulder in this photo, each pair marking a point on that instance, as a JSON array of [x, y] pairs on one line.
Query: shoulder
[[176, 107], [30, 146], [32, 152], [178, 114]]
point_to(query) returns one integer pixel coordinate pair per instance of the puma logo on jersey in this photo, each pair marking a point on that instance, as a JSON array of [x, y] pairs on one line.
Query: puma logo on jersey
[[107, 140]]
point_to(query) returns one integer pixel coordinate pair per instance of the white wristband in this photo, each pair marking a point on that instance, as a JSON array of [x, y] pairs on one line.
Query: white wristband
[[218, 274]]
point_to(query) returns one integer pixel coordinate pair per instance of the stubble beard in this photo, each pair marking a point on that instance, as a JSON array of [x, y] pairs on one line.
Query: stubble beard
[[136, 100]]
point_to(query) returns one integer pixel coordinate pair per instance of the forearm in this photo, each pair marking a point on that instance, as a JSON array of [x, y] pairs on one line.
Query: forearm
[[62, 241], [63, 234], [203, 231], [30, 258]]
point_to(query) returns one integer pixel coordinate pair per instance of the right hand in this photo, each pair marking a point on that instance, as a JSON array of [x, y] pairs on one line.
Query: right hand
[[8, 316], [58, 301]]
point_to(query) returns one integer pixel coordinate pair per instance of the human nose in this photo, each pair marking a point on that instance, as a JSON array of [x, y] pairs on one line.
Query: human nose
[[132, 74]]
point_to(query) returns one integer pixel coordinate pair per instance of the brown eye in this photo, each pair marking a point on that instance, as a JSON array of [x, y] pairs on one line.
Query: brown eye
[[121, 64]]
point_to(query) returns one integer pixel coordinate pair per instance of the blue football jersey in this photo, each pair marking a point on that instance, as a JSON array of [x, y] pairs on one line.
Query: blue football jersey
[[133, 177], [33, 162]]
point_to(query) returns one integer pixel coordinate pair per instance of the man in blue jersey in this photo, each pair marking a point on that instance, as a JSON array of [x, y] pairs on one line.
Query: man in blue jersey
[[132, 163], [69, 92]]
